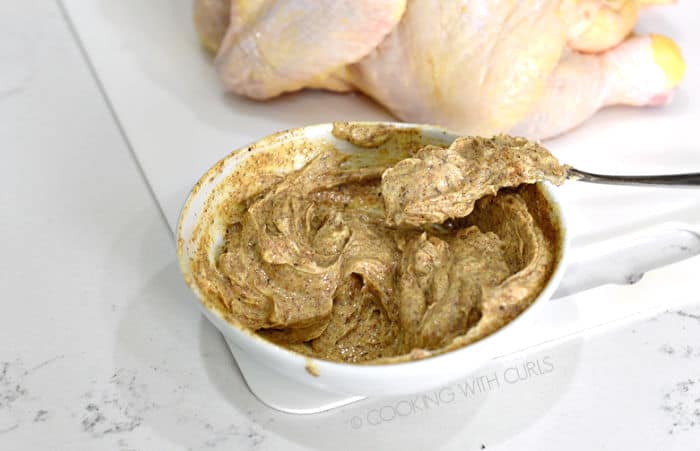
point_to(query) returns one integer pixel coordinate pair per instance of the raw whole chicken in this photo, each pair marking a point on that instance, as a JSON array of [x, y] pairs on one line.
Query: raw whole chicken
[[534, 68]]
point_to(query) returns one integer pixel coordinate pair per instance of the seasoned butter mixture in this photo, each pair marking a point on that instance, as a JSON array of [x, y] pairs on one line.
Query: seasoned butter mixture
[[352, 261]]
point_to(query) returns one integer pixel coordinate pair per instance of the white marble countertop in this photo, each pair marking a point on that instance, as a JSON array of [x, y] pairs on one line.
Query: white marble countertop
[[102, 347]]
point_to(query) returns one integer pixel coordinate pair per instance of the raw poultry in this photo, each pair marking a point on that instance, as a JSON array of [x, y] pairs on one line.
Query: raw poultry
[[535, 68]]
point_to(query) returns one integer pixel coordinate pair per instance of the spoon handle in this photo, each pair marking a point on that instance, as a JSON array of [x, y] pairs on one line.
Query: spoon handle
[[677, 180]]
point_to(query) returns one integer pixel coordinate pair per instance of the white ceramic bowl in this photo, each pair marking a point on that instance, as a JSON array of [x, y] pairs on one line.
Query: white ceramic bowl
[[395, 378]]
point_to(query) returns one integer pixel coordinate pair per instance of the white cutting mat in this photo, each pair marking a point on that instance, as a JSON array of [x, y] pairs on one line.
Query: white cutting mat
[[166, 97]]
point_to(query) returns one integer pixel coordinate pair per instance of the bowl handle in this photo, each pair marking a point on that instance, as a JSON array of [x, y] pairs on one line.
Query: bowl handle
[[624, 260]]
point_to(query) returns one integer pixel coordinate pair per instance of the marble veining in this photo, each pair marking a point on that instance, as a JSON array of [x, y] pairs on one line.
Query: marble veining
[[118, 407], [14, 390], [685, 314], [682, 405]]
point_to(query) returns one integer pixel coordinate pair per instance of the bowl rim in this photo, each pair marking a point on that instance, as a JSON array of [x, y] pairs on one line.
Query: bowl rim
[[271, 351]]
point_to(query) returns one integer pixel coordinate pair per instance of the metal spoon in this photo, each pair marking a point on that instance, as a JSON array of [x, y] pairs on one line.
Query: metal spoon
[[676, 180]]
